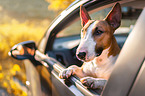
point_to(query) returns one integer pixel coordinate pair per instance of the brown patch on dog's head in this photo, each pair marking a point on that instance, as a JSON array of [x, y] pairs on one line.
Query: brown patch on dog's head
[[103, 29], [98, 35], [102, 34]]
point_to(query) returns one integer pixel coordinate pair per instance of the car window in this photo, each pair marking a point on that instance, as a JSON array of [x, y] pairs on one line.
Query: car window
[[126, 23], [74, 29], [72, 32]]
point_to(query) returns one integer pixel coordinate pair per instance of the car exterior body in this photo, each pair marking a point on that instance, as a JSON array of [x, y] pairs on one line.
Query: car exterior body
[[127, 78]]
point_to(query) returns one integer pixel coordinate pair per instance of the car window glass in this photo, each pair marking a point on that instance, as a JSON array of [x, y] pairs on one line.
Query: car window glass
[[74, 29], [127, 24]]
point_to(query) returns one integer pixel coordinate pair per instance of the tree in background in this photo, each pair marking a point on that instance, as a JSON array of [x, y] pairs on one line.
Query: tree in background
[[58, 5]]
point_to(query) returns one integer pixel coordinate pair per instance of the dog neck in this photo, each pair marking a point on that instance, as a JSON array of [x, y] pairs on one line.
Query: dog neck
[[108, 55]]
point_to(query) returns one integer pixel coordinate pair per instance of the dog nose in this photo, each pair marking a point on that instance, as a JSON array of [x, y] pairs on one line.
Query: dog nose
[[81, 55]]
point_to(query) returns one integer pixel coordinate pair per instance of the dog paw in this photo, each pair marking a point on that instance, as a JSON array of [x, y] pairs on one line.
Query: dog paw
[[66, 73], [93, 83]]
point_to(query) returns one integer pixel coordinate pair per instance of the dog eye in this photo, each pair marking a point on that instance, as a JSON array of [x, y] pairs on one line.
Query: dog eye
[[82, 30], [98, 32]]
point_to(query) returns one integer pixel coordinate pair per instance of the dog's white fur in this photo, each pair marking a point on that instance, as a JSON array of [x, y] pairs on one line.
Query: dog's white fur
[[87, 44], [100, 68]]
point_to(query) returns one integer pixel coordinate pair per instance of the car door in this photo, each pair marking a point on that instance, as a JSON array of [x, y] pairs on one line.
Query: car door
[[50, 42]]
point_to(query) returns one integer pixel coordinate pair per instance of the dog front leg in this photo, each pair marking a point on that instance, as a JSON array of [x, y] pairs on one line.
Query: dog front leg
[[72, 70], [93, 83]]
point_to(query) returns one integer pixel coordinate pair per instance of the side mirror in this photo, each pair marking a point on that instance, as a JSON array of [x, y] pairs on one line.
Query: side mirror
[[23, 50]]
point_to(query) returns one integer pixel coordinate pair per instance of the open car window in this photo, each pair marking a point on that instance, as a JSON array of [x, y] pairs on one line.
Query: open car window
[[127, 21], [69, 36]]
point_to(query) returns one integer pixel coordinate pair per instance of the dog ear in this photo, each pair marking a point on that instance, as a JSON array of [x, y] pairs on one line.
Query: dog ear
[[84, 15], [114, 16]]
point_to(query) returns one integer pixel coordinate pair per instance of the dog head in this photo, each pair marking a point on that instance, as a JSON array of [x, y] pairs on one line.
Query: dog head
[[96, 35]]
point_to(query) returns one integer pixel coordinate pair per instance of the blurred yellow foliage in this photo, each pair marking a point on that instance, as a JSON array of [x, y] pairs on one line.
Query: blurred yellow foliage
[[13, 72], [0, 67], [24, 94], [16, 67], [5, 84], [57, 5], [16, 89], [16, 32], [12, 86], [1, 75], [12, 32]]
